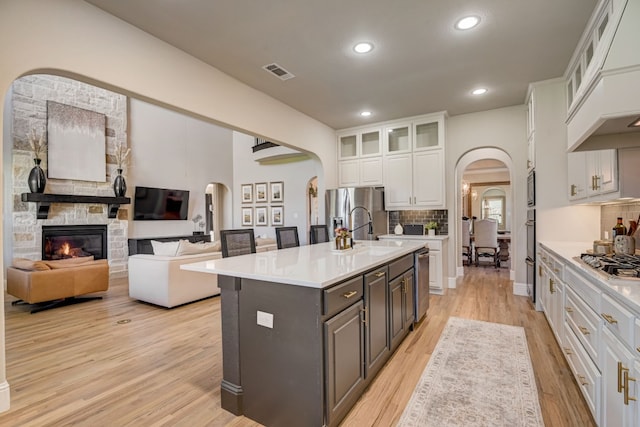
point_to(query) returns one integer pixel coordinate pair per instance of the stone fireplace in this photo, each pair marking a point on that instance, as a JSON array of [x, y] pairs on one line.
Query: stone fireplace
[[71, 241]]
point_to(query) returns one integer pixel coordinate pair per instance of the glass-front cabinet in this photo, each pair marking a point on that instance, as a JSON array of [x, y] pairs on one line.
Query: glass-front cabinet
[[398, 138], [360, 157]]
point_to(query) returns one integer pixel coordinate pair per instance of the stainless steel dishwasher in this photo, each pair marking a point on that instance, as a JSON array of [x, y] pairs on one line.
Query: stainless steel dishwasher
[[421, 283]]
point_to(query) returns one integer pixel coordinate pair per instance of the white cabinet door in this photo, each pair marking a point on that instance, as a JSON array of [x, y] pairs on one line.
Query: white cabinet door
[[616, 371], [371, 171], [398, 138], [577, 174], [435, 272], [608, 173], [398, 181], [348, 173], [348, 146], [428, 179]]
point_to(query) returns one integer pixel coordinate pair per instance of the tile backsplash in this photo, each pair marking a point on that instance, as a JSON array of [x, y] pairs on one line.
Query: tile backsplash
[[610, 213], [420, 217]]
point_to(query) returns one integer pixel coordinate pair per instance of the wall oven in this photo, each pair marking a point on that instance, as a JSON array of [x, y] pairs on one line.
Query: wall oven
[[531, 254], [531, 189]]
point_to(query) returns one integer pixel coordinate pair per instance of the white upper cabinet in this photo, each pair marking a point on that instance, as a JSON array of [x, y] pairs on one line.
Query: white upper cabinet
[[360, 157], [398, 138]]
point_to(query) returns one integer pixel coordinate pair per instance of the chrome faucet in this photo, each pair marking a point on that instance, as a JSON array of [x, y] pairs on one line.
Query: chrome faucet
[[370, 223]]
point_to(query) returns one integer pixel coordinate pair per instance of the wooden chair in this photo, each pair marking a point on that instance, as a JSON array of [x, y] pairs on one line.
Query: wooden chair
[[319, 234], [237, 242], [287, 237], [486, 240], [467, 251]]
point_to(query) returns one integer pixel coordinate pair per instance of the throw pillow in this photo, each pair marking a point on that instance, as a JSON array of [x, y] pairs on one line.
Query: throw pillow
[[69, 262], [164, 248], [185, 247], [29, 264]]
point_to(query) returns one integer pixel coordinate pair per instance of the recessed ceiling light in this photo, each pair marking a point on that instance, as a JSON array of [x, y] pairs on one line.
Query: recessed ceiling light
[[365, 113], [467, 22], [479, 91], [635, 123], [363, 47]]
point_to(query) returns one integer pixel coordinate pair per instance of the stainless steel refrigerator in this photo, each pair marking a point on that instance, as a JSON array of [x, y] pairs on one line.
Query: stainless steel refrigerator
[[359, 203]]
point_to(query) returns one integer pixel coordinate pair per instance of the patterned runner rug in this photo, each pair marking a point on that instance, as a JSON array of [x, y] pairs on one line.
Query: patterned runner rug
[[479, 374]]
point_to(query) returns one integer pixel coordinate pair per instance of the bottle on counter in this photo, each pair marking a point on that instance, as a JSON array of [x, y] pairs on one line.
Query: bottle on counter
[[619, 229]]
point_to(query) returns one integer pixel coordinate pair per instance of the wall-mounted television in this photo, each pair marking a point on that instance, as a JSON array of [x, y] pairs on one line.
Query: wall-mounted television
[[160, 204]]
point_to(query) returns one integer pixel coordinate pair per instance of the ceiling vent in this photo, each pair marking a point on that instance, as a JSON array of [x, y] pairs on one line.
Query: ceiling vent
[[278, 71]]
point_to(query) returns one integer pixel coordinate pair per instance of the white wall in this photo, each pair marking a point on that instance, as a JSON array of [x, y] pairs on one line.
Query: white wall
[[556, 219], [77, 40], [503, 129], [294, 175], [172, 150]]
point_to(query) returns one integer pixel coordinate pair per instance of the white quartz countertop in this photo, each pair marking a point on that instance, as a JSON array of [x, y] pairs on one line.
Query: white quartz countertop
[[413, 237], [315, 266], [626, 291]]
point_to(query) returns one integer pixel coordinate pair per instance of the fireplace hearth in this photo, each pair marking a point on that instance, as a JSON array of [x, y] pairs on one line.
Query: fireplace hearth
[[70, 241]]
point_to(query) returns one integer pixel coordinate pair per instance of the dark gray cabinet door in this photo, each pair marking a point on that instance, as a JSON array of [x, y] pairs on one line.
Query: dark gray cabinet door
[[377, 331], [345, 361], [409, 297], [396, 297]]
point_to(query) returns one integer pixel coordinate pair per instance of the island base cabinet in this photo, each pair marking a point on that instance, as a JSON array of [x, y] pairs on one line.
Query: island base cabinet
[[266, 377], [344, 335], [376, 320]]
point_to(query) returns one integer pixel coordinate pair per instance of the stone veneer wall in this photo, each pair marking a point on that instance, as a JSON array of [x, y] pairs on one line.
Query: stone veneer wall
[[29, 111], [420, 217]]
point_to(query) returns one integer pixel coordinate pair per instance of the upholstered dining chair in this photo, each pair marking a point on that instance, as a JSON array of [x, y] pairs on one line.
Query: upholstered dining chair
[[485, 238], [237, 242], [319, 234], [467, 251], [287, 237]]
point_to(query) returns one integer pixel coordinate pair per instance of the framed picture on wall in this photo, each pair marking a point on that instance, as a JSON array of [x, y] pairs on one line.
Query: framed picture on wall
[[247, 193], [261, 215], [247, 216], [277, 215], [277, 192], [261, 192]]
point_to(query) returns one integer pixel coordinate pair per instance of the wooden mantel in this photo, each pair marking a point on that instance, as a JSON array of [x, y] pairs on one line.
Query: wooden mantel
[[43, 202]]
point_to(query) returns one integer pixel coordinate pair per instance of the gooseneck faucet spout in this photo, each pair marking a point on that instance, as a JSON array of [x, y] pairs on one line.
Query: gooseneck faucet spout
[[370, 223]]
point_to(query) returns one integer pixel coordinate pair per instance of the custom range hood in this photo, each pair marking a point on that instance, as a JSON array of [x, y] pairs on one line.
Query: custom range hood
[[608, 98]]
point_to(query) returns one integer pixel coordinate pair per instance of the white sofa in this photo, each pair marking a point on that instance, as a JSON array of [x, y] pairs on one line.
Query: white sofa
[[159, 280]]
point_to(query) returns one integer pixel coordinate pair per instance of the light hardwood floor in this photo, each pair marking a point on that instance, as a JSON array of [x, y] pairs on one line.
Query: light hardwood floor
[[78, 365]]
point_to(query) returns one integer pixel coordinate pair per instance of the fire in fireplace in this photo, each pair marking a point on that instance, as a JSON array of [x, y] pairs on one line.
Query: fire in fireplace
[[70, 241]]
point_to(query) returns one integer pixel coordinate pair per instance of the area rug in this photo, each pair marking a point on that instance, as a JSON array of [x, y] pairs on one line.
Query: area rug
[[479, 374]]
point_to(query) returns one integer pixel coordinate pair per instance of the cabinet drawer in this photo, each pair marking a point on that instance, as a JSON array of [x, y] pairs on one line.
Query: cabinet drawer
[[399, 266], [584, 322], [618, 320], [585, 372], [342, 296], [588, 292]]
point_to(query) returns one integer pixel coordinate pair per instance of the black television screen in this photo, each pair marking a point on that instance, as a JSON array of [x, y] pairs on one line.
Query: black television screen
[[160, 204]]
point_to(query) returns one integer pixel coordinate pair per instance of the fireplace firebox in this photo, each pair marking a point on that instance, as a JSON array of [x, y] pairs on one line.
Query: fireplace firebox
[[70, 241]]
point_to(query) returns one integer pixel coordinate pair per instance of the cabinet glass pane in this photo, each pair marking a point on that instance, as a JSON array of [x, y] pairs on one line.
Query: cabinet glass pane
[[589, 54], [578, 76], [348, 146], [398, 139], [427, 135], [603, 26], [370, 143], [570, 92]]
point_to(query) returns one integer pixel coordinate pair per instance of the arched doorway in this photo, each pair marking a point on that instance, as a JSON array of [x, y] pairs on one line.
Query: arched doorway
[[464, 193]]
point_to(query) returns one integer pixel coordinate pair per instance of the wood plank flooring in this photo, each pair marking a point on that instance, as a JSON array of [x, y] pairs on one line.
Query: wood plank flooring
[[79, 366]]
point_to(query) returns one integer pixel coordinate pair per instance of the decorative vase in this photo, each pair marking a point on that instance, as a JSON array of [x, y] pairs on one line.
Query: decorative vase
[[119, 185], [431, 232], [37, 180]]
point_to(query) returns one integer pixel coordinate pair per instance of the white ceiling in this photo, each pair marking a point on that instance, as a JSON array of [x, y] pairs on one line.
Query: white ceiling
[[420, 63]]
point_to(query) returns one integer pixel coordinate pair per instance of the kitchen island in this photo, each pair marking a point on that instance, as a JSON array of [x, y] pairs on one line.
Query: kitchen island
[[305, 329]]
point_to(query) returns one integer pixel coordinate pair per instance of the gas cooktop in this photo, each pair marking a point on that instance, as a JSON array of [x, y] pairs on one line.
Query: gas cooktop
[[618, 266]]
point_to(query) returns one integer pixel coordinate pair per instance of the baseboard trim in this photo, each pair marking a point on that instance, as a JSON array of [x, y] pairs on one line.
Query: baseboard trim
[[452, 282], [4, 397], [520, 289]]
